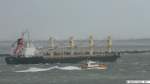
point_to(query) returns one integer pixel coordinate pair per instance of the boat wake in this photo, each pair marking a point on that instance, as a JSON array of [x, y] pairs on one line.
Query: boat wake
[[35, 69], [69, 68]]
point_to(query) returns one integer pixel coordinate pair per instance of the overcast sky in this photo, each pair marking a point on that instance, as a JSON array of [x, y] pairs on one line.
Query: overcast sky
[[78, 18]]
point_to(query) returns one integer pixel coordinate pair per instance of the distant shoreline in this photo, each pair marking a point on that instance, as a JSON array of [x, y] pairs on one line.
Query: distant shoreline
[[139, 39]]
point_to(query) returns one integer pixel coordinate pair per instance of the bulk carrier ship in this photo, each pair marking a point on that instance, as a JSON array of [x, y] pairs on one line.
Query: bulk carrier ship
[[25, 52]]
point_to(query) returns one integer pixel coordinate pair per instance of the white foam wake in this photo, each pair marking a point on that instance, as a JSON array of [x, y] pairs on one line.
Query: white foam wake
[[32, 69], [35, 69], [69, 68]]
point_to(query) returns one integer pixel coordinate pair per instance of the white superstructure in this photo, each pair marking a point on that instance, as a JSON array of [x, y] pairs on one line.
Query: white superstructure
[[29, 49]]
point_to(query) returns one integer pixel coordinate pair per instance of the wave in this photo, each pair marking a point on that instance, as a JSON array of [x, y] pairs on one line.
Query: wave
[[35, 69], [69, 68], [3, 55]]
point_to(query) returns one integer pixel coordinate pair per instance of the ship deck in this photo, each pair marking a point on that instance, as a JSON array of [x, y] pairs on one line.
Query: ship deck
[[76, 52]]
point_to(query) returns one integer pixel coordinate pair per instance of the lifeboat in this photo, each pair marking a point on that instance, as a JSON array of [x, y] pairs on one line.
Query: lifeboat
[[93, 65]]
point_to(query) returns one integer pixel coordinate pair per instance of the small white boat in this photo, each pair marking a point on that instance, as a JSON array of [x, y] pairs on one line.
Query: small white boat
[[94, 65]]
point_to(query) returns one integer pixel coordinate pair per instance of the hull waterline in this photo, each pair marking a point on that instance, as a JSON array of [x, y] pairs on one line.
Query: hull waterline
[[38, 60]]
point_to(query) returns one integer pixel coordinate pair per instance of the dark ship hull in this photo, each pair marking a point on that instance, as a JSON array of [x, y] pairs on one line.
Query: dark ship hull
[[71, 59]]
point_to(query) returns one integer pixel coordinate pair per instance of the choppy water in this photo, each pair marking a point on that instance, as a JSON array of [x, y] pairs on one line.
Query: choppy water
[[128, 67]]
